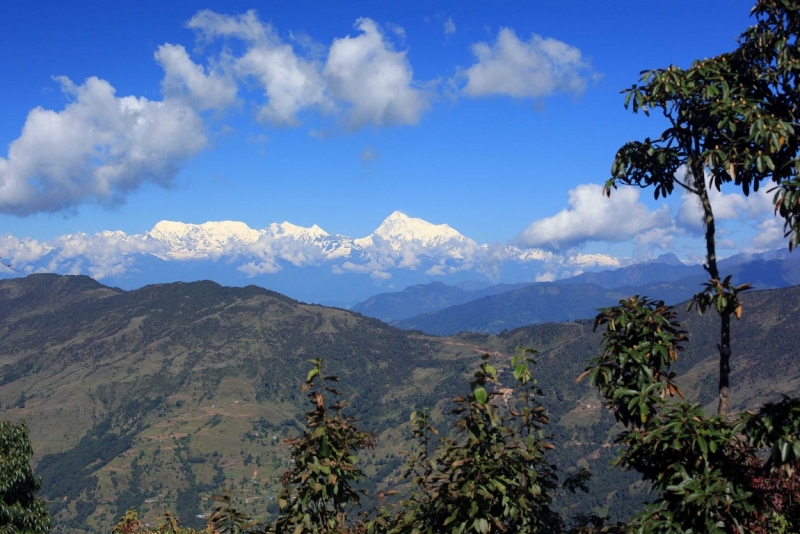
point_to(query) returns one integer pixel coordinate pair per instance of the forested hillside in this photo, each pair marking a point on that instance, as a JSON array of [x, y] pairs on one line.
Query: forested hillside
[[158, 397]]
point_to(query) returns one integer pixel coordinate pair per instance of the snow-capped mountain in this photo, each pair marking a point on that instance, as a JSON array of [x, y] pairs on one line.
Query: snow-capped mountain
[[402, 250], [181, 241], [399, 230], [211, 240]]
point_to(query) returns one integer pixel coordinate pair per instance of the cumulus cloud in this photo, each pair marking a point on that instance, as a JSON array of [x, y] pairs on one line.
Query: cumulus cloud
[[594, 217], [661, 238], [770, 236], [100, 255], [269, 251], [290, 83], [20, 252], [363, 74], [373, 79], [185, 79], [100, 147], [105, 254], [725, 206], [535, 68]]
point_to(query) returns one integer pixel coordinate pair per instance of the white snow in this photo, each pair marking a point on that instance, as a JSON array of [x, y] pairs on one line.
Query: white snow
[[398, 229], [400, 242], [181, 241]]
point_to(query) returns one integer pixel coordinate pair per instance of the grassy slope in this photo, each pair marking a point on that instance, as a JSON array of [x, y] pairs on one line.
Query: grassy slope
[[173, 391], [171, 374]]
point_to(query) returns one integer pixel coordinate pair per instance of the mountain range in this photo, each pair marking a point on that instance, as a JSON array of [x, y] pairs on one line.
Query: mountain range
[[306, 263], [439, 309]]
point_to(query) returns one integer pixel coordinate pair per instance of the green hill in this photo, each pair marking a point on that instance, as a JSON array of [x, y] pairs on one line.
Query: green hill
[[156, 398]]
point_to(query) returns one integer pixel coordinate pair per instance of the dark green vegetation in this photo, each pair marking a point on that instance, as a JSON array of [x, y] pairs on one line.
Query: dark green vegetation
[[706, 471], [20, 509], [569, 300], [172, 392]]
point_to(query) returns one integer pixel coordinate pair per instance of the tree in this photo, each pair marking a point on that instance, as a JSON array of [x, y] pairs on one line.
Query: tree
[[168, 524], [226, 519], [20, 509], [732, 120], [318, 492], [493, 475], [706, 472]]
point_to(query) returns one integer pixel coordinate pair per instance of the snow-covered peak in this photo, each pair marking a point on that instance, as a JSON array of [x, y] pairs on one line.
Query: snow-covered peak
[[226, 230], [594, 260], [399, 228], [191, 241], [287, 229]]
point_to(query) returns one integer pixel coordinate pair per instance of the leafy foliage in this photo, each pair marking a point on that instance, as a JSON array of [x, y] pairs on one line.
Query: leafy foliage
[[776, 426], [641, 342], [721, 296], [228, 520], [732, 116], [20, 509], [169, 524], [493, 475], [705, 470], [319, 489]]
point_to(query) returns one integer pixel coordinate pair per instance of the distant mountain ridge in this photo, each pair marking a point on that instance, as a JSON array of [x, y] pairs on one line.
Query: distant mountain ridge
[[419, 299], [581, 296]]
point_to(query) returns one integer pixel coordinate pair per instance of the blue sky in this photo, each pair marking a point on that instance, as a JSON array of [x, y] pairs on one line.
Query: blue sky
[[418, 122]]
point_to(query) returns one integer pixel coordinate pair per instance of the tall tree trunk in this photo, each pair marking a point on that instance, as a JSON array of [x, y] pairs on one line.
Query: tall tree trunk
[[724, 345]]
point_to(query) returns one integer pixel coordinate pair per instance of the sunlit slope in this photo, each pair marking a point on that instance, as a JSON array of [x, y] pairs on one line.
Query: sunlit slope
[[193, 383], [172, 392]]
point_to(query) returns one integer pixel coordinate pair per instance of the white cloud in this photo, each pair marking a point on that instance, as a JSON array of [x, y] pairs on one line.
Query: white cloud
[[247, 27], [362, 73], [449, 26], [532, 69], [101, 255], [377, 82], [770, 236], [272, 248], [100, 147], [661, 238], [594, 217], [380, 275], [725, 207], [290, 83], [185, 79], [398, 30], [19, 252]]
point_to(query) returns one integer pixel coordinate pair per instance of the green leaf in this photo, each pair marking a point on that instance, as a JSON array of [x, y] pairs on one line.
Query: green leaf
[[312, 373], [480, 395]]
